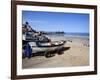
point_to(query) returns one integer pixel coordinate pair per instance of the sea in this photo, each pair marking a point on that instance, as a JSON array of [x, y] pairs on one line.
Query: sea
[[83, 35], [77, 34]]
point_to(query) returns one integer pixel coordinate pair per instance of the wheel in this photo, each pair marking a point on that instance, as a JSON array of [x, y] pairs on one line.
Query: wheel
[[60, 52], [49, 54]]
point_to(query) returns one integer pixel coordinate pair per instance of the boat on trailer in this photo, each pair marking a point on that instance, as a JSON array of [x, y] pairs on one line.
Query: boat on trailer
[[47, 48]]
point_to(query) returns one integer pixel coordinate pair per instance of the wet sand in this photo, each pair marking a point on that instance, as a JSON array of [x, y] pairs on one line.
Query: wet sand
[[76, 55]]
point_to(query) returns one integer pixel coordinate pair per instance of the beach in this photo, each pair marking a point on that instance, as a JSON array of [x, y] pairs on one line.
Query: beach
[[77, 54]]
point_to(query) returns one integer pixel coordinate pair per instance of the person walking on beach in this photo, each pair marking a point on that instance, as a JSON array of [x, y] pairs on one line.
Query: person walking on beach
[[28, 51]]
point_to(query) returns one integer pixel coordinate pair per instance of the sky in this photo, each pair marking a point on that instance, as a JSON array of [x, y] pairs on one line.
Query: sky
[[57, 21]]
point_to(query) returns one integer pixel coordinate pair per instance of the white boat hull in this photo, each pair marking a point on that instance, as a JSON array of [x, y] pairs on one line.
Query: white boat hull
[[36, 48], [44, 49]]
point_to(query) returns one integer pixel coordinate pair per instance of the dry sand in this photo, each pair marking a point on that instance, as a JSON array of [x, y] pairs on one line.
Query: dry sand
[[76, 55]]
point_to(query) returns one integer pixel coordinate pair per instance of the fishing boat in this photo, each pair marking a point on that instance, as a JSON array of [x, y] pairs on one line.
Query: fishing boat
[[47, 48]]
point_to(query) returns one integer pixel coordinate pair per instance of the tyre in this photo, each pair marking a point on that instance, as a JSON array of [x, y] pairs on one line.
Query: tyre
[[49, 54], [60, 52]]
